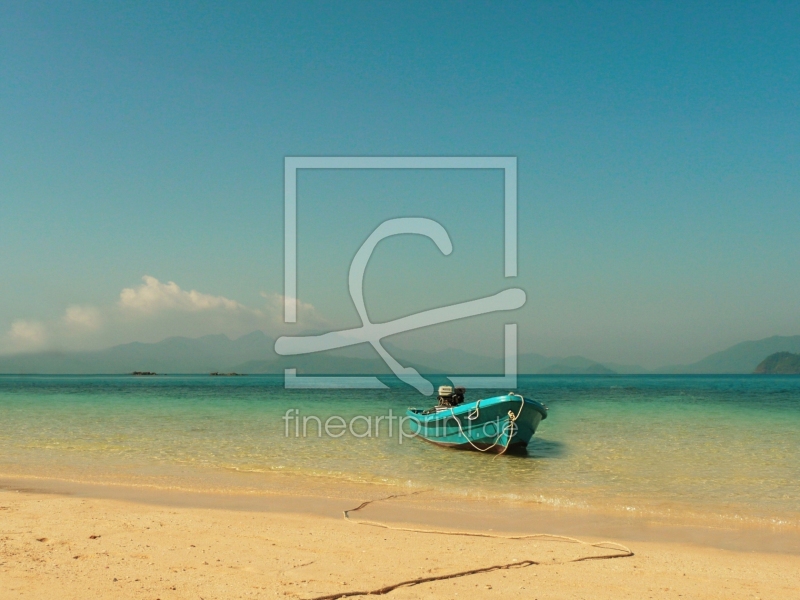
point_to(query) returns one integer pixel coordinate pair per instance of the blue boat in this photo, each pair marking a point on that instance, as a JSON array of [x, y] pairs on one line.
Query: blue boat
[[488, 425]]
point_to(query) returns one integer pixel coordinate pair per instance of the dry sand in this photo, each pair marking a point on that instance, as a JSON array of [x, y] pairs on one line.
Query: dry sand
[[68, 546]]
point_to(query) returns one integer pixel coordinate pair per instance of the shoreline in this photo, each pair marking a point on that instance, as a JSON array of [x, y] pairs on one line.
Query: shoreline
[[328, 498]]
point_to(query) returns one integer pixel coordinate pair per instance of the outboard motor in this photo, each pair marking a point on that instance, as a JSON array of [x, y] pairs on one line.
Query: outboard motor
[[450, 396]]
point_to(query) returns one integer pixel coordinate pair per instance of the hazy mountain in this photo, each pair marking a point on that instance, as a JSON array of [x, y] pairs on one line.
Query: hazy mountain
[[46, 362], [626, 369], [780, 363], [531, 363], [172, 355], [255, 353], [576, 365], [740, 358]]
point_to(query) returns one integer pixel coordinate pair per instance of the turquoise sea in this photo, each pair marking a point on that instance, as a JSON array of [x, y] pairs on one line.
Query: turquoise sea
[[721, 447]]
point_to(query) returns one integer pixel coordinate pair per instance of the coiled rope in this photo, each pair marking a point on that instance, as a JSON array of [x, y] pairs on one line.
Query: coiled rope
[[621, 552]]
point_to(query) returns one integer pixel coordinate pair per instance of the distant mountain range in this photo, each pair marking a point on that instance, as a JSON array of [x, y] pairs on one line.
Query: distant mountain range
[[172, 355], [254, 354]]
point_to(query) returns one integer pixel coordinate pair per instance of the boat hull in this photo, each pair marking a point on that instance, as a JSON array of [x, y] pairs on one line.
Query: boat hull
[[492, 425]]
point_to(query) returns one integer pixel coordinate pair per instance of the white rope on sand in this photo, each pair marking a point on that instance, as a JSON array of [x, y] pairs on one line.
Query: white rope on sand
[[621, 552]]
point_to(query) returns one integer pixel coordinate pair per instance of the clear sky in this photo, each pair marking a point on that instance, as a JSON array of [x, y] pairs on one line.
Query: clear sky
[[658, 150]]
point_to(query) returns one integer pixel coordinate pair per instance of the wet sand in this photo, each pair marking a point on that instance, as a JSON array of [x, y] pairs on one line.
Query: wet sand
[[70, 540]]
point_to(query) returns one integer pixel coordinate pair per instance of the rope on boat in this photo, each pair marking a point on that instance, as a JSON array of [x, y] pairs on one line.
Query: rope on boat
[[508, 429], [621, 552], [474, 414]]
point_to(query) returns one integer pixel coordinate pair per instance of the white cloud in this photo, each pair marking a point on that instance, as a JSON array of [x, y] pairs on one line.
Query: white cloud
[[82, 317], [151, 312], [27, 335], [154, 296]]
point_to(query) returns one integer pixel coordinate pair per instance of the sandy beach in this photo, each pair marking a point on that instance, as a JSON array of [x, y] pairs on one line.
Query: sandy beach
[[69, 541]]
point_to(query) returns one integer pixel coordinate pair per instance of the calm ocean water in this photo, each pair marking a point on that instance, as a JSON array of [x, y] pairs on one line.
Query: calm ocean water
[[727, 446]]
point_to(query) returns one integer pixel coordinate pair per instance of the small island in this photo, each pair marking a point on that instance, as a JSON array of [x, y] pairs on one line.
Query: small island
[[143, 373], [780, 363], [215, 374]]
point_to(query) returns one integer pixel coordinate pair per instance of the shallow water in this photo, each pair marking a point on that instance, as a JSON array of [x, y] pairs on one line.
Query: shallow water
[[727, 446]]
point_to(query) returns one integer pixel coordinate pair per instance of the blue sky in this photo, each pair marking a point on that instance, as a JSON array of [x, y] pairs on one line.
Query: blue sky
[[658, 148]]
